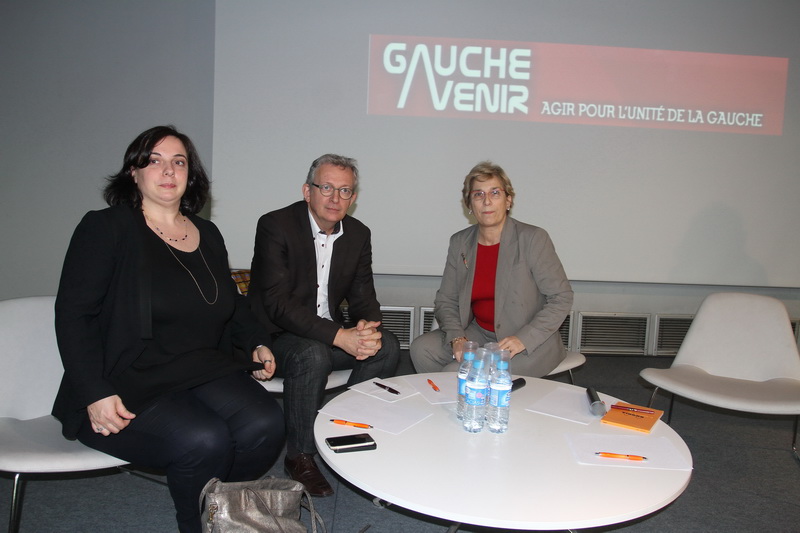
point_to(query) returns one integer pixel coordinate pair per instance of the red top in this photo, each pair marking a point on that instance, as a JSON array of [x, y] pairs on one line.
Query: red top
[[483, 285]]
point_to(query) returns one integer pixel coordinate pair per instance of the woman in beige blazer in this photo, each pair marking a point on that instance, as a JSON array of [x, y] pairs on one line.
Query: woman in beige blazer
[[502, 282]]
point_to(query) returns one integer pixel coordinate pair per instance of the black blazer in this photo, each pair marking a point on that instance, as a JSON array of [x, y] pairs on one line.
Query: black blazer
[[103, 313], [283, 284]]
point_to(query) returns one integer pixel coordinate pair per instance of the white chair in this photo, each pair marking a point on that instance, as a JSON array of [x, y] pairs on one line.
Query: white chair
[[740, 353], [337, 378], [30, 438], [571, 361]]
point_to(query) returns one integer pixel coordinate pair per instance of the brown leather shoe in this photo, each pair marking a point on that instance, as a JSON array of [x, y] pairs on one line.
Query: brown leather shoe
[[303, 469]]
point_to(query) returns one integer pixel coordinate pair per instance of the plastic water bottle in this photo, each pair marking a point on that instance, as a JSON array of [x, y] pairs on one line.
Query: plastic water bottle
[[494, 355], [492, 346], [476, 391], [468, 356], [499, 396]]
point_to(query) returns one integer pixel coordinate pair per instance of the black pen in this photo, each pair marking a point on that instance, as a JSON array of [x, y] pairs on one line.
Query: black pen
[[386, 388]]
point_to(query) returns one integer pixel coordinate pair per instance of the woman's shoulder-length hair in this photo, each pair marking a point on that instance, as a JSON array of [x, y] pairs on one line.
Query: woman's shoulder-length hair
[[121, 189]]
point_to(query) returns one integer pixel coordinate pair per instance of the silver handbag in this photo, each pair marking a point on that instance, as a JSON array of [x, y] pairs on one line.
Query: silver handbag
[[269, 505]]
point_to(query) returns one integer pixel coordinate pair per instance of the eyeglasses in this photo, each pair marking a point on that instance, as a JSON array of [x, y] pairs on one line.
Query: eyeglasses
[[494, 194], [326, 189]]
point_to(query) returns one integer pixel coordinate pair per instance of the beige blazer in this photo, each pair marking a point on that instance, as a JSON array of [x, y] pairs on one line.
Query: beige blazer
[[532, 293]]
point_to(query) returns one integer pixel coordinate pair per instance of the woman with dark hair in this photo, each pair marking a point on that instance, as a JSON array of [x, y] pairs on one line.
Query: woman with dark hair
[[502, 282], [123, 190], [156, 342]]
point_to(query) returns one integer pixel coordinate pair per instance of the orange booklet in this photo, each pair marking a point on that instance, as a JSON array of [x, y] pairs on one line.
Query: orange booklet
[[631, 416]]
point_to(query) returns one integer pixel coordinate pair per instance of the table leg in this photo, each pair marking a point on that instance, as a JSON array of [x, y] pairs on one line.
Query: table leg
[[377, 502]]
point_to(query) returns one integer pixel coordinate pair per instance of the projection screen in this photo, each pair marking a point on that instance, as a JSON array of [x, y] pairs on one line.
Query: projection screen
[[657, 142]]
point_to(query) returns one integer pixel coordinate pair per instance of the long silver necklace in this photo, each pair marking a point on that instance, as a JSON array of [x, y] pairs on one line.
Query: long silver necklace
[[216, 287], [161, 233]]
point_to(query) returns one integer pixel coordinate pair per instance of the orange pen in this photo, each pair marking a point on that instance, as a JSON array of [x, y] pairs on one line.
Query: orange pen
[[621, 456], [348, 423], [433, 385]]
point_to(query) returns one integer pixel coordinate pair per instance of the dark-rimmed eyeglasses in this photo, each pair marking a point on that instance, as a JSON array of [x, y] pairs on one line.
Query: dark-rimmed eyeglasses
[[326, 189]]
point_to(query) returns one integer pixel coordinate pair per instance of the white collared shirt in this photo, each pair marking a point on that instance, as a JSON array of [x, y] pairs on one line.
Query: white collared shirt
[[323, 246]]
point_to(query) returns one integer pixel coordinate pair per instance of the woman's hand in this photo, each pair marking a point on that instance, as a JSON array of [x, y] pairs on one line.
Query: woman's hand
[[109, 415], [512, 344], [458, 348], [264, 355]]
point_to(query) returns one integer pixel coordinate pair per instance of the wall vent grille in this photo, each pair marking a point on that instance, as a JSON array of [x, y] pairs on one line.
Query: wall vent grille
[[613, 333], [597, 333], [398, 320], [565, 331], [670, 332], [427, 322]]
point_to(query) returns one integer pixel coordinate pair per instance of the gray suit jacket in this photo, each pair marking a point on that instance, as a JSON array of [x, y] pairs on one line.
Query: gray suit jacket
[[532, 293]]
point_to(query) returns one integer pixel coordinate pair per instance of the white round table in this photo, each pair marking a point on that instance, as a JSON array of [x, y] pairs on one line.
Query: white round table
[[526, 478]]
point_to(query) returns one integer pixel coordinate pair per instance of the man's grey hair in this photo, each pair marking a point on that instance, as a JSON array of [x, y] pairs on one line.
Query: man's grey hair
[[333, 159]]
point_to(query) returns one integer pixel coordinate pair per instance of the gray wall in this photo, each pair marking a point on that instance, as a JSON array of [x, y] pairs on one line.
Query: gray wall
[[80, 80]]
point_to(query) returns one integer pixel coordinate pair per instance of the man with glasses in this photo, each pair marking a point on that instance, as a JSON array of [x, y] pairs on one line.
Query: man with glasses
[[309, 257]]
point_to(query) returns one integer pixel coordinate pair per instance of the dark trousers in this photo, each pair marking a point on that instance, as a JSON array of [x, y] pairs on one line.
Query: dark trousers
[[304, 365], [230, 428]]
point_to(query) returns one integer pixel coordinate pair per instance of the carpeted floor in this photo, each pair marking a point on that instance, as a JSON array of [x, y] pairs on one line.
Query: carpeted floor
[[745, 479]]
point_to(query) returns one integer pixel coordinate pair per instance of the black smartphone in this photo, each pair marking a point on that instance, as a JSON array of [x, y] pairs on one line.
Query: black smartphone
[[351, 443]]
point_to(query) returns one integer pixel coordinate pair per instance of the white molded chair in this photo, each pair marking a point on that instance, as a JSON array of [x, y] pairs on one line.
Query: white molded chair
[[572, 360], [337, 378], [30, 437], [740, 353]]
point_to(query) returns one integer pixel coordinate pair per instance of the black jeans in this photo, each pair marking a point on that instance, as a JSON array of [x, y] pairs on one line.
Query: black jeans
[[304, 364], [230, 428]]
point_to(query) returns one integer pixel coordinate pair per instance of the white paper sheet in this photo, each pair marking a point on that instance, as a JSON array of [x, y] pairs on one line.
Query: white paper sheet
[[393, 417], [446, 382], [568, 403], [399, 384], [660, 452]]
